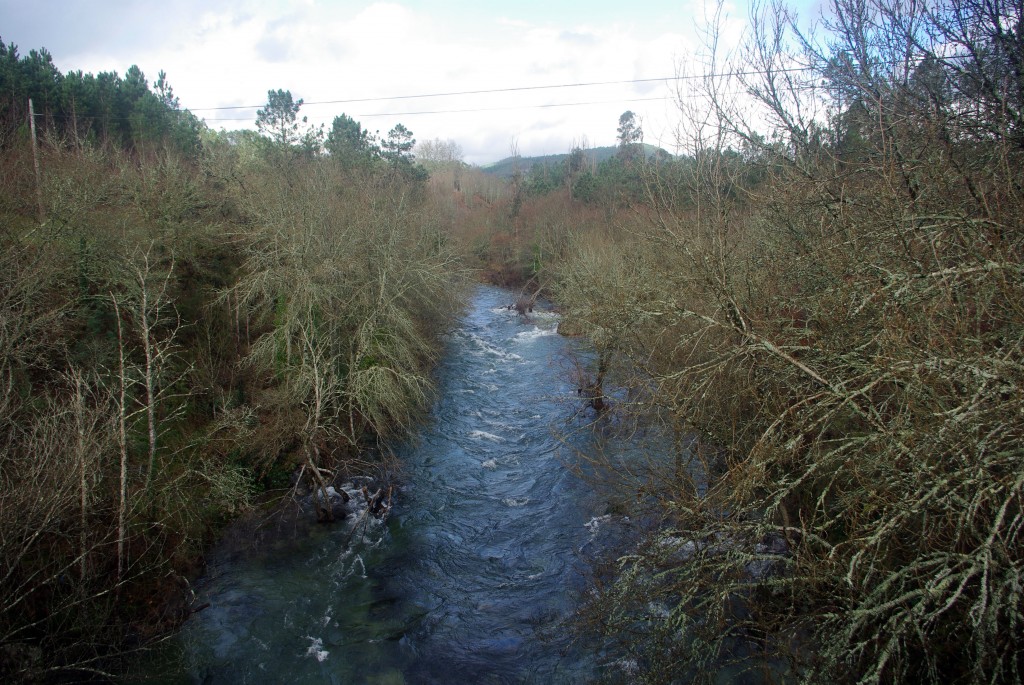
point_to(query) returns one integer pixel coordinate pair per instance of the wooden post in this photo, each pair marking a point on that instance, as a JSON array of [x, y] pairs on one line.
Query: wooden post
[[35, 160]]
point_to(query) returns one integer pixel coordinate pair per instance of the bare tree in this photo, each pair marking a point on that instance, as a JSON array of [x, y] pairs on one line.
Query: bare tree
[[820, 293]]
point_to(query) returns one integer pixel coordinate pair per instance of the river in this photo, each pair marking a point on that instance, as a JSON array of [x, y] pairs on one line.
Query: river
[[472, 576]]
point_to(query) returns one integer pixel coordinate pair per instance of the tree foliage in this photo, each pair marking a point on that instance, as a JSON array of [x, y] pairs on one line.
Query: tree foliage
[[397, 148], [630, 137], [104, 107], [350, 143], [279, 118]]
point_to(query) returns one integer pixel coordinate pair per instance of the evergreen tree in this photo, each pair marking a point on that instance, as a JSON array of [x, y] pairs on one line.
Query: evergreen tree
[[398, 146], [279, 117], [630, 136], [349, 143]]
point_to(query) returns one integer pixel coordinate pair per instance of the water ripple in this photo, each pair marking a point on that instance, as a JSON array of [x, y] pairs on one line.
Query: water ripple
[[470, 573]]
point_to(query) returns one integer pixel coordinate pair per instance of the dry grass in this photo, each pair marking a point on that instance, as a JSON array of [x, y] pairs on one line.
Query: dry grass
[[178, 334], [845, 336]]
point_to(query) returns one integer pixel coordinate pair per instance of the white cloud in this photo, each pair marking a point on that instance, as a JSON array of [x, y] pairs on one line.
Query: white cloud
[[231, 52]]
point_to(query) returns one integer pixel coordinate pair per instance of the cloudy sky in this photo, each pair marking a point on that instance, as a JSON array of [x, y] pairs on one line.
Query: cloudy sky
[[367, 58]]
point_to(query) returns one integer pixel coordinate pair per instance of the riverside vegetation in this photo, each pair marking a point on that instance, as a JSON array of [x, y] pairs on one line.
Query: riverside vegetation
[[818, 301], [186, 319]]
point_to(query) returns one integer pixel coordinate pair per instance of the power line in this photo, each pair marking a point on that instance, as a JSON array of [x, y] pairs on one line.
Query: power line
[[449, 94], [478, 109], [582, 84]]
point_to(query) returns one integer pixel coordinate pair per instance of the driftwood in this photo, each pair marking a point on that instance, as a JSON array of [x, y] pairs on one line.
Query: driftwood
[[379, 503], [525, 303]]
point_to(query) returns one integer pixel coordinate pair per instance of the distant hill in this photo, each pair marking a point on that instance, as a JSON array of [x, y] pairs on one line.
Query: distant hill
[[595, 155]]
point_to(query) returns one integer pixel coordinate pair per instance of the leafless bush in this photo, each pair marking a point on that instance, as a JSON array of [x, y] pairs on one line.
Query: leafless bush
[[847, 330]]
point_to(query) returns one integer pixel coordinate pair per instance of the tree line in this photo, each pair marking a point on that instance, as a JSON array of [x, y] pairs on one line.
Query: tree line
[[101, 108]]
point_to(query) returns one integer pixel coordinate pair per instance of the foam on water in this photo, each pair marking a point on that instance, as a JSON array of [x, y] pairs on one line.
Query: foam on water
[[545, 315], [316, 649], [530, 336], [594, 524], [485, 347]]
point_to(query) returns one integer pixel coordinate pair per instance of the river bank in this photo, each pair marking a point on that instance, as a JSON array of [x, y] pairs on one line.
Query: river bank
[[474, 572]]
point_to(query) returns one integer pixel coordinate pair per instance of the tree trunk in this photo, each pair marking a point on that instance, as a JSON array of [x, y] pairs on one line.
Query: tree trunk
[[147, 347], [122, 443]]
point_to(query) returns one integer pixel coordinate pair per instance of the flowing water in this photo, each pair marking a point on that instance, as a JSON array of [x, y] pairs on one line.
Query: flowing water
[[471, 577]]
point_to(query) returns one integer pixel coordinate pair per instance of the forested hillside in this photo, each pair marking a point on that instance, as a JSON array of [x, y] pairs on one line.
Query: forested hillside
[[190, 321], [554, 164]]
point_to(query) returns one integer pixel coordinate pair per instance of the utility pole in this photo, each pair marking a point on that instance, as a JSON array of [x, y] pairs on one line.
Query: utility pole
[[35, 160]]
